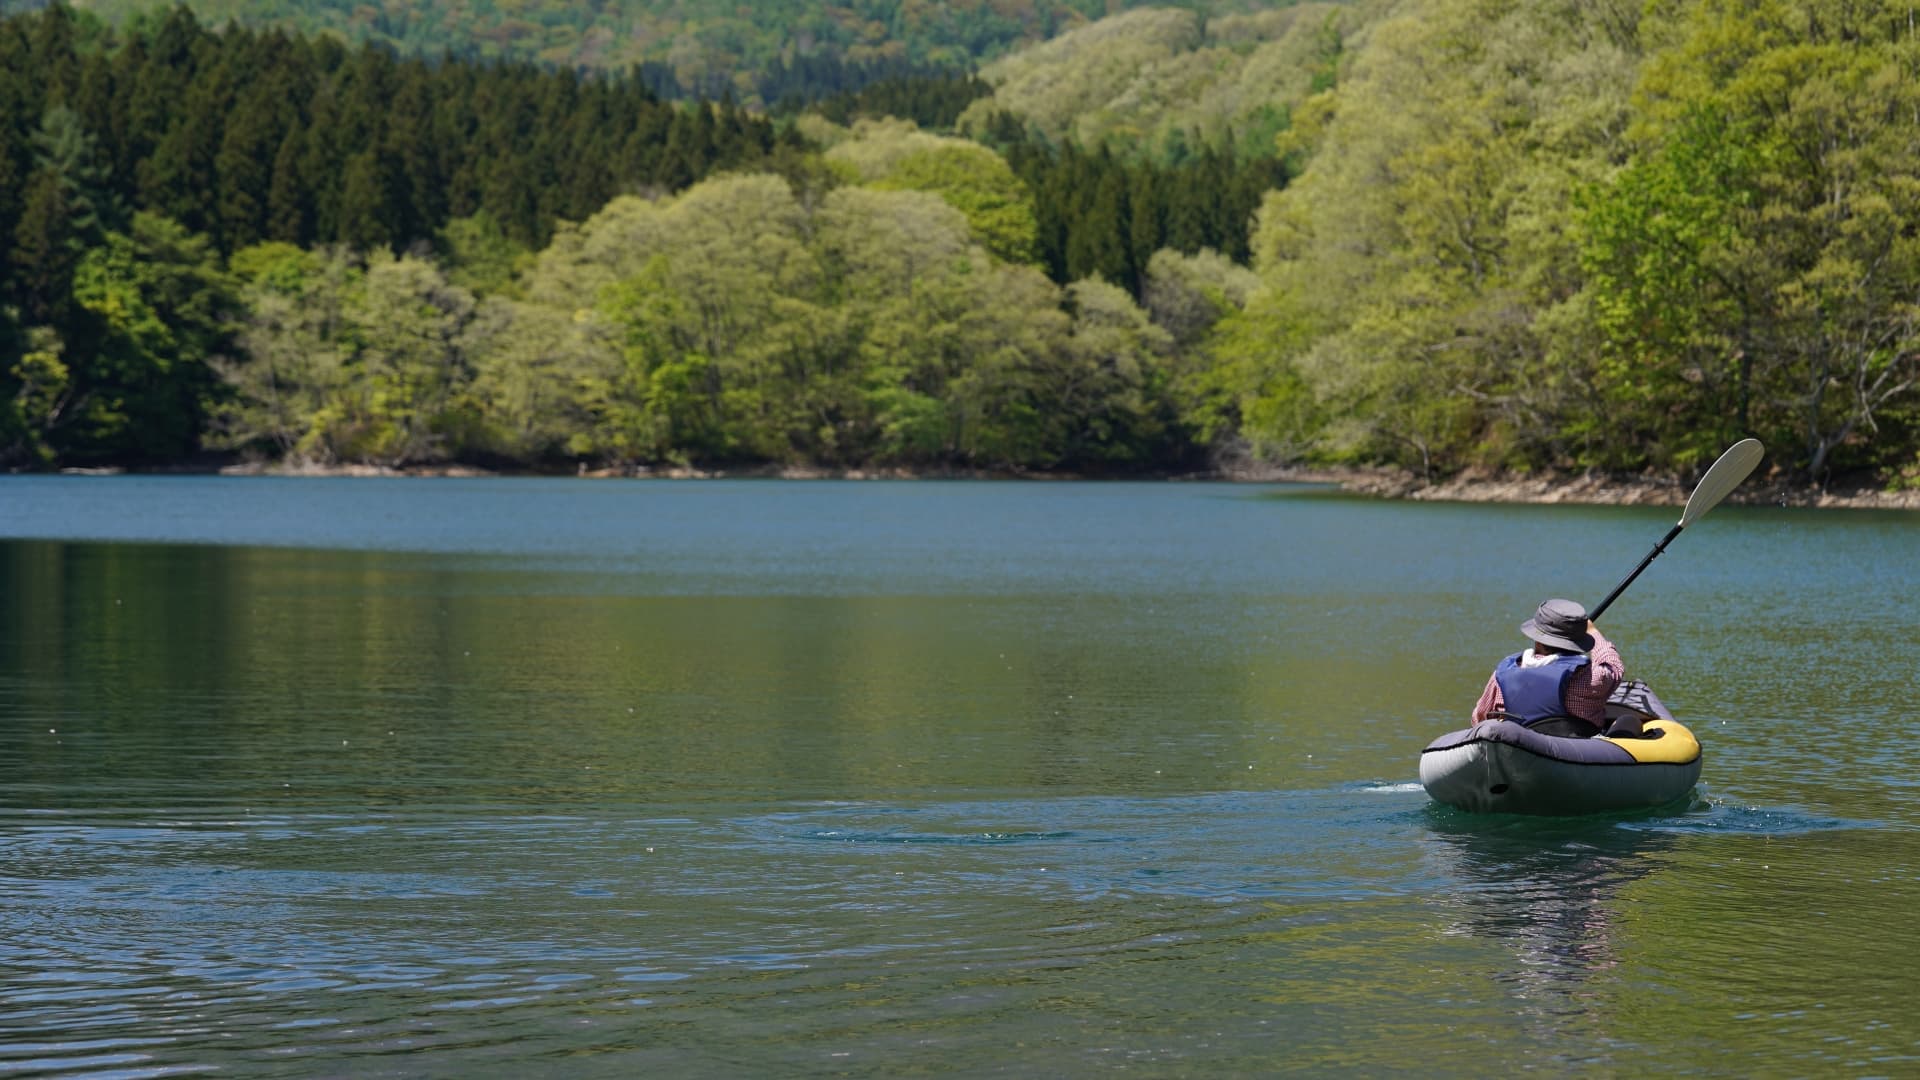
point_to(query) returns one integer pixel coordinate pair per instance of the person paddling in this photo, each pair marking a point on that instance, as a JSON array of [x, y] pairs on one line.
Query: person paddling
[[1561, 685]]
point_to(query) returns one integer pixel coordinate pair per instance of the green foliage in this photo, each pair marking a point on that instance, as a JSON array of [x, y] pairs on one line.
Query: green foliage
[[39, 387], [1671, 271], [976, 182], [1595, 237], [1513, 235], [1188, 295], [764, 51], [1420, 289], [1109, 394], [160, 306], [1783, 304], [969, 177], [480, 257], [1246, 400], [735, 323], [348, 360], [1154, 81], [294, 349]]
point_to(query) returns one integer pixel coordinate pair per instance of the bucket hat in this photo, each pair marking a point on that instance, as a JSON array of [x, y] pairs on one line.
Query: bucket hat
[[1561, 624]]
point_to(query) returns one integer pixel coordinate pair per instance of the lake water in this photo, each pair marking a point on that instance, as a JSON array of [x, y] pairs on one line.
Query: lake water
[[509, 777]]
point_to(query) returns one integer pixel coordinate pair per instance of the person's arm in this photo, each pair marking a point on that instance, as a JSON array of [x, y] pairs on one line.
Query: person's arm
[[1590, 688], [1489, 700], [1605, 666]]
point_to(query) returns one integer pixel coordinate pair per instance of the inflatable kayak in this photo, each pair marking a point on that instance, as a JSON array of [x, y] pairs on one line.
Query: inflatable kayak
[[1502, 767]]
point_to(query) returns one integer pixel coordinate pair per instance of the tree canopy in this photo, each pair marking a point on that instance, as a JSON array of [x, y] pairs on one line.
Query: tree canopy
[[760, 51], [1445, 235], [1529, 235]]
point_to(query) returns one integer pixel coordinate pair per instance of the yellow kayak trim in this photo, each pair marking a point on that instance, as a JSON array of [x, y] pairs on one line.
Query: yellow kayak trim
[[1676, 747]]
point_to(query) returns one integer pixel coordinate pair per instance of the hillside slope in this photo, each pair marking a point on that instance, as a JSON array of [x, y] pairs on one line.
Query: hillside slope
[[755, 49], [1160, 79]]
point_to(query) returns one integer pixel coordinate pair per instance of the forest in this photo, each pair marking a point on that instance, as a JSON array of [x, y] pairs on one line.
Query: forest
[[759, 51], [1425, 233], [164, 259]]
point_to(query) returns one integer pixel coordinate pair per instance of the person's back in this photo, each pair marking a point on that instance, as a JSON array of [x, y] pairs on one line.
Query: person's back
[[1569, 672]]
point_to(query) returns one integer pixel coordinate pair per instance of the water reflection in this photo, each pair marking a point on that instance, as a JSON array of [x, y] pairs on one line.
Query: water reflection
[[1552, 891]]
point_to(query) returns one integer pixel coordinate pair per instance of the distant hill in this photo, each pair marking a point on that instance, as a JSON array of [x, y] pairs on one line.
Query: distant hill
[[1159, 80], [758, 50]]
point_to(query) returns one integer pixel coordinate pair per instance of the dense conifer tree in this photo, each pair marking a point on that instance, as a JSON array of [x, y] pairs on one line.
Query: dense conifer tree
[[54, 46], [1106, 214], [44, 251], [1100, 245], [180, 178], [244, 164], [20, 109], [65, 148], [932, 100], [289, 209], [367, 211], [13, 175]]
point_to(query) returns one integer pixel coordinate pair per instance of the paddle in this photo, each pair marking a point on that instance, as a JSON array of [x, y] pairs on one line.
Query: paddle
[[1726, 474]]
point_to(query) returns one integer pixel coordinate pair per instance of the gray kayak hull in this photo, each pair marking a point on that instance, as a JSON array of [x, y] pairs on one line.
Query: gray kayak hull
[[1502, 767], [1490, 777]]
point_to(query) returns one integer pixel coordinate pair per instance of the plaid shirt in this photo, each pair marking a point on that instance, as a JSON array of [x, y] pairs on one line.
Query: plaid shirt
[[1587, 689]]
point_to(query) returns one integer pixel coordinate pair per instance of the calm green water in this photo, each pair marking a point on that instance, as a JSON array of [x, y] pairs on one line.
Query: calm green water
[[469, 778]]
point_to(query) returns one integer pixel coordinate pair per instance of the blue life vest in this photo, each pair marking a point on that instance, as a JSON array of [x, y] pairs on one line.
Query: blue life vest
[[1537, 693]]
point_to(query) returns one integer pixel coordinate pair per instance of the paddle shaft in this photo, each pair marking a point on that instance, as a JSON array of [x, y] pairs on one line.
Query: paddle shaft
[[1725, 475], [1594, 615]]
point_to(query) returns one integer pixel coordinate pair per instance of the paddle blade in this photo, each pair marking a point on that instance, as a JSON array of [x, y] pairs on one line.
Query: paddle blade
[[1734, 466]]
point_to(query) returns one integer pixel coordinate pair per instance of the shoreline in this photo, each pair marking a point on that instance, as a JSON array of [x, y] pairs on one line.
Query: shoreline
[[1587, 489], [1369, 482]]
